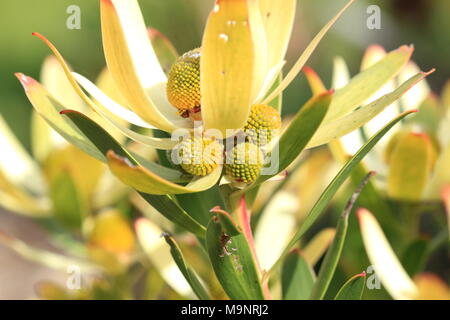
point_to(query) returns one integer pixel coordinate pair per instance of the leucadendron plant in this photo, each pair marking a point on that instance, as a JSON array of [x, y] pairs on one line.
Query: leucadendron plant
[[215, 117], [412, 183]]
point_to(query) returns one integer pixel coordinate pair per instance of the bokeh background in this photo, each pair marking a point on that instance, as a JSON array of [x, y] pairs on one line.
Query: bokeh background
[[423, 23]]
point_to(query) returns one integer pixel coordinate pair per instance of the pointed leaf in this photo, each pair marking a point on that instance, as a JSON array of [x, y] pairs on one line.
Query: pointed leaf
[[164, 49], [142, 82], [158, 252], [331, 130], [333, 187], [365, 84], [353, 289], [173, 212], [387, 267], [187, 272], [318, 245], [140, 175], [233, 263], [297, 277], [333, 255], [306, 54]]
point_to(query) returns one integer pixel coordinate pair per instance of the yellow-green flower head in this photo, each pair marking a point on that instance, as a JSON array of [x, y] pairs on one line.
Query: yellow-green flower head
[[200, 155], [183, 84], [262, 121], [244, 162]]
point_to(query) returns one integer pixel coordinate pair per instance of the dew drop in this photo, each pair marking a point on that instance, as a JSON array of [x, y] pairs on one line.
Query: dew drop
[[224, 37]]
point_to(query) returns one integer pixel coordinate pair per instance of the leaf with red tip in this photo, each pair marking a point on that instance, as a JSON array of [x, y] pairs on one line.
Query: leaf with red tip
[[353, 289]]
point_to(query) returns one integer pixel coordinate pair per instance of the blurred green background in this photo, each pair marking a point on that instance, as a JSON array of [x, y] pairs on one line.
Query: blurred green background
[[423, 23]]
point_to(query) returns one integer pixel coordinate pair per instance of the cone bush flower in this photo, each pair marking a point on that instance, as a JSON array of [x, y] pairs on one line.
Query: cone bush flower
[[230, 90]]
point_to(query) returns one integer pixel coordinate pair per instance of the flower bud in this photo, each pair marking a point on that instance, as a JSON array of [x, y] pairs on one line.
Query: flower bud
[[262, 121], [200, 155], [183, 84], [244, 162]]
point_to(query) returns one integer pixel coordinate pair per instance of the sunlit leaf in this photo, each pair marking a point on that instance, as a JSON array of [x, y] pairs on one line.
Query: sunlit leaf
[[229, 65], [317, 246], [406, 179], [306, 54], [329, 131], [387, 267], [134, 65], [164, 49], [365, 84], [294, 140], [16, 164], [158, 252], [187, 271]]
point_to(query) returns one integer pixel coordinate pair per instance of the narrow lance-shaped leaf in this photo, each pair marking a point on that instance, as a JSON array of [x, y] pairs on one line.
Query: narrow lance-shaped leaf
[[233, 263], [318, 245], [164, 49], [297, 277], [172, 211], [129, 170], [297, 135], [158, 252], [187, 272], [333, 255], [339, 179], [387, 266], [353, 289], [142, 81], [306, 54], [368, 82], [331, 130]]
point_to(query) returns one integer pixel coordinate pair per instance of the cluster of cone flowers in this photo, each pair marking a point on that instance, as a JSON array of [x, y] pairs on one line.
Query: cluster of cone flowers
[[229, 87]]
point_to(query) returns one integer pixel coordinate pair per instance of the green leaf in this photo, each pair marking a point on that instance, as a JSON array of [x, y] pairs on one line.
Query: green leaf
[[199, 204], [233, 263], [144, 177], [172, 211], [338, 180], [187, 272], [300, 63], [230, 226], [297, 135], [297, 277], [333, 255], [49, 109], [368, 82], [333, 129], [277, 102], [415, 256], [68, 206], [353, 289]]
